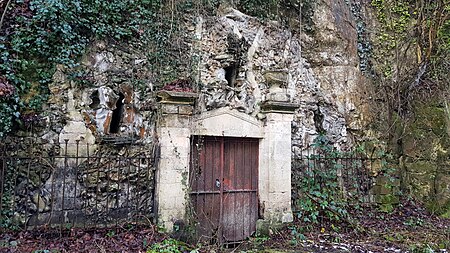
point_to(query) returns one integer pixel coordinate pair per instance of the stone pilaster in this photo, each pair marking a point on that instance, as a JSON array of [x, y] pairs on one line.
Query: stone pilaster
[[275, 162], [173, 166]]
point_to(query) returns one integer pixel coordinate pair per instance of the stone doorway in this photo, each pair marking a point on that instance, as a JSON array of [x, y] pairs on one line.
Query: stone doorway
[[224, 187], [176, 129]]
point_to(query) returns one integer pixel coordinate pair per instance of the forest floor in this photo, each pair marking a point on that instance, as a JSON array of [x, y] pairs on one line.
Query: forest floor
[[408, 228]]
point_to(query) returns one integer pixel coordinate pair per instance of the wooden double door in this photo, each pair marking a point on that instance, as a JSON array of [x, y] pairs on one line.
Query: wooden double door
[[224, 187]]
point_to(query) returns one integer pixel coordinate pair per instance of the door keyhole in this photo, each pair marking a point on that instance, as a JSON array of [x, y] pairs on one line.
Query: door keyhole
[[217, 183]]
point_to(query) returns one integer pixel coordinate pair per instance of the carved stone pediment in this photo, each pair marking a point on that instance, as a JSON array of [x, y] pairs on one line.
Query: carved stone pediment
[[227, 122]]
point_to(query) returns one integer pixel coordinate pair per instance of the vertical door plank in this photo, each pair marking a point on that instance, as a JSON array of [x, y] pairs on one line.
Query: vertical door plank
[[254, 158]]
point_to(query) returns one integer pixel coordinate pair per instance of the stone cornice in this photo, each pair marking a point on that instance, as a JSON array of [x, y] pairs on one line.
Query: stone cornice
[[279, 107], [175, 97]]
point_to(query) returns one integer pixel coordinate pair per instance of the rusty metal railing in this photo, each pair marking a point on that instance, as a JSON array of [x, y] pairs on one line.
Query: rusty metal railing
[[353, 175], [76, 184]]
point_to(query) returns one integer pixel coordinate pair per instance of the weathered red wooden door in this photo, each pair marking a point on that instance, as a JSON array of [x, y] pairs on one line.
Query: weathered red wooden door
[[224, 186]]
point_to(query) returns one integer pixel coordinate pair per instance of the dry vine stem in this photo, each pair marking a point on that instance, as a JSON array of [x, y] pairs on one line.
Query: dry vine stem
[[4, 13]]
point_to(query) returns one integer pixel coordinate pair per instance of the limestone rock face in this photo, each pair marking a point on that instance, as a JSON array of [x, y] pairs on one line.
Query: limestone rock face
[[111, 103], [332, 56], [237, 63], [241, 63], [245, 61]]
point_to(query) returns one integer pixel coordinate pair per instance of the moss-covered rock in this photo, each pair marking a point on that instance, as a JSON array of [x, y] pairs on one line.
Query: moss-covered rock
[[427, 155], [426, 137]]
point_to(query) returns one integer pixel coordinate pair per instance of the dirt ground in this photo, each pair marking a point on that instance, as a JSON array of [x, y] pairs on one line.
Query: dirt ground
[[408, 228]]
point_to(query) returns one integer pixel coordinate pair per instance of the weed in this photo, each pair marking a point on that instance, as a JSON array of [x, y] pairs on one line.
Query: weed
[[171, 246], [111, 233], [297, 235], [320, 193], [414, 222], [259, 240], [421, 249]]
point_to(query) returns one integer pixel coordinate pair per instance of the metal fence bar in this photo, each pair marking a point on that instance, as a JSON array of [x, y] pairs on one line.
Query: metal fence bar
[[61, 220], [128, 184], [108, 176], [15, 176], [3, 174], [76, 180], [136, 210], [88, 160]]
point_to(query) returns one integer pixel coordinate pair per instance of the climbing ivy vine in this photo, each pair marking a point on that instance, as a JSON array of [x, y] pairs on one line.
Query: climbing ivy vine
[[260, 8], [38, 35], [411, 35], [282, 10], [394, 18], [319, 187], [411, 53]]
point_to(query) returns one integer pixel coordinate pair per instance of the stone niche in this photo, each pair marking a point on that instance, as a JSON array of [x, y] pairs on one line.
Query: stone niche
[[178, 125]]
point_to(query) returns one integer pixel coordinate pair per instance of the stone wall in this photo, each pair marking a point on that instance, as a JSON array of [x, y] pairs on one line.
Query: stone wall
[[103, 128], [426, 155], [245, 62]]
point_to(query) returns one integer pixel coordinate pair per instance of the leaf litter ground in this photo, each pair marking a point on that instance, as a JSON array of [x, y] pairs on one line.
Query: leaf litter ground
[[408, 228]]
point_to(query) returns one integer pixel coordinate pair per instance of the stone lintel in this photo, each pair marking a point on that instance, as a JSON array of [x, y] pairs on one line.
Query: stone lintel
[[175, 97], [279, 107], [227, 122]]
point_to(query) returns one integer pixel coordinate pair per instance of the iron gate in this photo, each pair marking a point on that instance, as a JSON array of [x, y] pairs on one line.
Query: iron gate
[[224, 187]]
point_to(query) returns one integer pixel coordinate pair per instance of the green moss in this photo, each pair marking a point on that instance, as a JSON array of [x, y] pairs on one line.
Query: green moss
[[388, 199], [440, 209], [447, 214], [394, 17], [431, 118], [420, 167], [420, 177], [386, 208], [427, 136], [426, 147]]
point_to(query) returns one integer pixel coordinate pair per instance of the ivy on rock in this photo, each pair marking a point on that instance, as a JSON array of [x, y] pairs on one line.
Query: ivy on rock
[[37, 35]]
